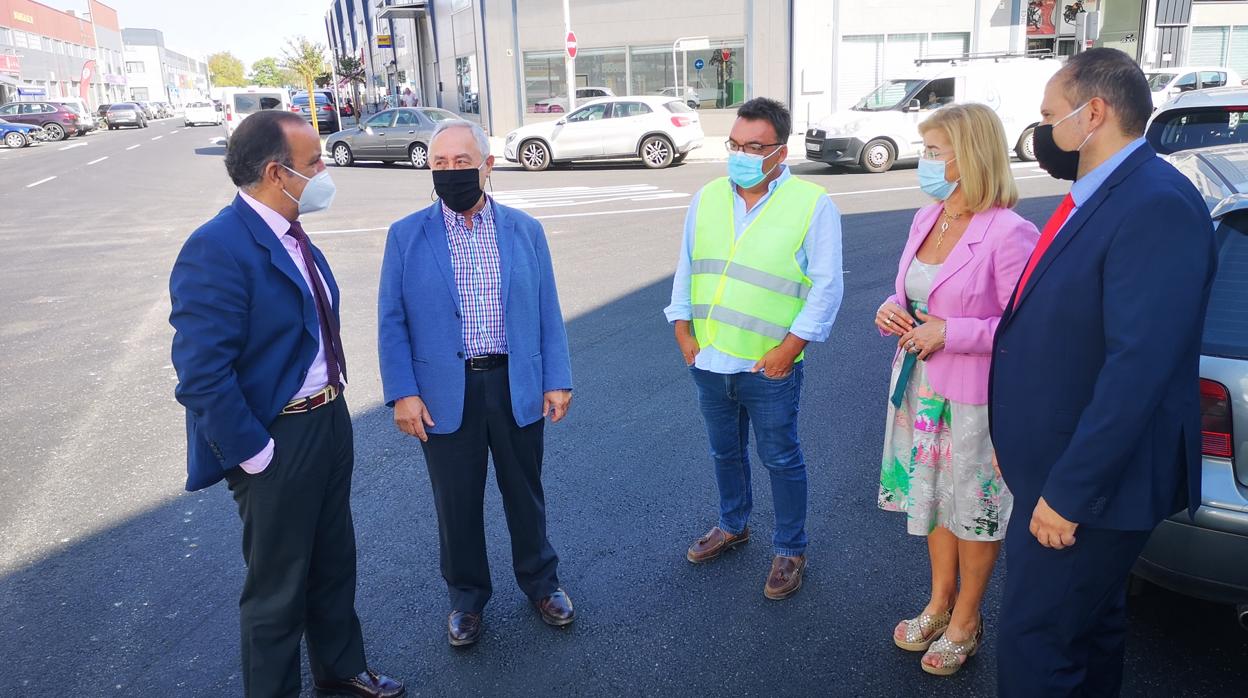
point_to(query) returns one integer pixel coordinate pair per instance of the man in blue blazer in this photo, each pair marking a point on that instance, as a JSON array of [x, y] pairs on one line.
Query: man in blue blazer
[[1094, 403], [473, 356], [261, 373]]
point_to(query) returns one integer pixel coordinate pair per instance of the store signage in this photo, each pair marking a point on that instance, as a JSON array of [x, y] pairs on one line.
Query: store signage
[[385, 41], [10, 64], [32, 92], [23, 17], [84, 85], [725, 54], [570, 44]]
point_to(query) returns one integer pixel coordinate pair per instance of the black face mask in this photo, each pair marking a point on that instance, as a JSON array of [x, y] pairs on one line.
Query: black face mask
[[1060, 164], [460, 190]]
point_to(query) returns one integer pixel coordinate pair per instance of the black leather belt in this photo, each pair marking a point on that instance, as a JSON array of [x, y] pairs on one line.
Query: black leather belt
[[489, 362]]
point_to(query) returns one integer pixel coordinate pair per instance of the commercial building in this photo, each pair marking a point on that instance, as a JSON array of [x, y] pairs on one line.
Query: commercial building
[[49, 53], [156, 73], [502, 62]]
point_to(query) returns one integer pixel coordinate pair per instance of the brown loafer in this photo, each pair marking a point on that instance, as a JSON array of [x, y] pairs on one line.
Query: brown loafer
[[368, 684], [556, 609], [463, 629], [716, 542], [785, 577]]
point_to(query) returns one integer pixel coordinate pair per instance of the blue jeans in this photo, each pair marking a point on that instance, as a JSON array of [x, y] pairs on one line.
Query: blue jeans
[[729, 404]]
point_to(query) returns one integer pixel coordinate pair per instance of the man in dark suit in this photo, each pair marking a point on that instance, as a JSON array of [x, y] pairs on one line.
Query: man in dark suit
[[1095, 405], [261, 373], [474, 356]]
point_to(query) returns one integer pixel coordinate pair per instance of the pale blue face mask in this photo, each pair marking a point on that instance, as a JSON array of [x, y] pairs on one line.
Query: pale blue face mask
[[746, 171], [932, 179]]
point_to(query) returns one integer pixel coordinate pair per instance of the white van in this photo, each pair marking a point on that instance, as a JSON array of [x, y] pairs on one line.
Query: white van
[[882, 129], [240, 102]]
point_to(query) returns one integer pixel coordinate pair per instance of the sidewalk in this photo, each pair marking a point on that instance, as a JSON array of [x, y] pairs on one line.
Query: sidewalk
[[712, 149]]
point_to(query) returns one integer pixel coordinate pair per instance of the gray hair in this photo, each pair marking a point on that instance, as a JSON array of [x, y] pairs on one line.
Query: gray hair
[[478, 134]]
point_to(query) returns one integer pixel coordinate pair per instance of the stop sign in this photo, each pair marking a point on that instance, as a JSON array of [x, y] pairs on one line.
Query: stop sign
[[571, 44], [725, 54]]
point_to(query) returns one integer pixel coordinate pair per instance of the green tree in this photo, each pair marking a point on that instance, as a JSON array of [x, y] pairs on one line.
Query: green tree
[[226, 70], [306, 60], [351, 69], [267, 73]]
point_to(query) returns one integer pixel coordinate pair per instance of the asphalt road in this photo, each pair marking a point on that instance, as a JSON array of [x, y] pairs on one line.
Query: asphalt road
[[113, 581]]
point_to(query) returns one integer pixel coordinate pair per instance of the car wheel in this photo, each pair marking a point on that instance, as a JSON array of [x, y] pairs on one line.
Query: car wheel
[[878, 156], [342, 155], [187, 124], [418, 154], [692, 104], [534, 156], [1026, 148], [55, 131], [15, 139], [657, 152]]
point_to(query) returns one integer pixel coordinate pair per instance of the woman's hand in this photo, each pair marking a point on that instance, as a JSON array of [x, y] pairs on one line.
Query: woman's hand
[[891, 319], [926, 339]]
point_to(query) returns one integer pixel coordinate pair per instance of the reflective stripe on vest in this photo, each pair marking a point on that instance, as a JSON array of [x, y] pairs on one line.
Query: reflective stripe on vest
[[747, 291]]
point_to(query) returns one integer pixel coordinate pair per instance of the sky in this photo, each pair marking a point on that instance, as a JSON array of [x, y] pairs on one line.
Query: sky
[[250, 29]]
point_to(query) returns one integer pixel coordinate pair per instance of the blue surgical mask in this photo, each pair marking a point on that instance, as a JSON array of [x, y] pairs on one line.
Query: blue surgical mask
[[746, 170], [317, 195], [932, 179]]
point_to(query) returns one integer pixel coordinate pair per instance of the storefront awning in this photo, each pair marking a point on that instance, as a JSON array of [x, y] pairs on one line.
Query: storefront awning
[[402, 9], [8, 80]]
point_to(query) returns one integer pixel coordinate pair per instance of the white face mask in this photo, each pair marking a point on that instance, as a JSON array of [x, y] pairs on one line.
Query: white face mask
[[317, 195]]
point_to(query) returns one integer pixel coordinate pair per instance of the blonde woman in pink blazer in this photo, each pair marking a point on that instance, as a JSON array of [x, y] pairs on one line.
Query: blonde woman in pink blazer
[[964, 256]]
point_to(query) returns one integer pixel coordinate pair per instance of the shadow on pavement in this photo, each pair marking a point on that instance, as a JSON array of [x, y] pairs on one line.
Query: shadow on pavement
[[215, 150], [149, 606]]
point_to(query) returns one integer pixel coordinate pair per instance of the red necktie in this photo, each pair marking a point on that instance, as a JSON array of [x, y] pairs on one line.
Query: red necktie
[[334, 360], [1046, 238]]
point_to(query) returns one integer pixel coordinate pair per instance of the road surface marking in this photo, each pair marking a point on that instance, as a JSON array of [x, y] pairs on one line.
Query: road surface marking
[[98, 160], [611, 213], [562, 197], [353, 230], [74, 145], [134, 146], [173, 131], [46, 179], [158, 138]]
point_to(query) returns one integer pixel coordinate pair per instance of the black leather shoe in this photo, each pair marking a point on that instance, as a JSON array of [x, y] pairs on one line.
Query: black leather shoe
[[368, 684], [463, 629], [556, 609]]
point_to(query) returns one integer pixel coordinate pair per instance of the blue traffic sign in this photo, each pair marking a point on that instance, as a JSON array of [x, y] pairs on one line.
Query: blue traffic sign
[[699, 64]]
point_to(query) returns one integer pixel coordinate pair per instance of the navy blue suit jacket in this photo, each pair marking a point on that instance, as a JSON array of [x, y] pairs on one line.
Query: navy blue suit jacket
[[420, 334], [1094, 389], [245, 335]]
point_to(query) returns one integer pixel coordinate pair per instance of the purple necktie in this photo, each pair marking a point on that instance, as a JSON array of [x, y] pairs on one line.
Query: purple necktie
[[334, 359]]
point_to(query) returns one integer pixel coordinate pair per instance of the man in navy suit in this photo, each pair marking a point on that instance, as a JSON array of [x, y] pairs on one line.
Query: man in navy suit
[[474, 356], [1095, 405], [261, 374]]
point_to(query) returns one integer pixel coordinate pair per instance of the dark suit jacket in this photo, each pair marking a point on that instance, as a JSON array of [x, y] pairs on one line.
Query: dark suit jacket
[[1094, 390], [246, 333]]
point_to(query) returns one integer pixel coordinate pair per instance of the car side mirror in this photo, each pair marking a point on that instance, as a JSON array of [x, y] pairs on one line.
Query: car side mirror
[[368, 130], [914, 105], [562, 121]]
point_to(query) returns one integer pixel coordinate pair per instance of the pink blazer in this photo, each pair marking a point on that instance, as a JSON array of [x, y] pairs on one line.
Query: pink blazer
[[970, 293]]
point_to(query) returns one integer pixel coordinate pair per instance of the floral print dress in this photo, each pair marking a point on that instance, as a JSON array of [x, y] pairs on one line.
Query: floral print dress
[[937, 464]]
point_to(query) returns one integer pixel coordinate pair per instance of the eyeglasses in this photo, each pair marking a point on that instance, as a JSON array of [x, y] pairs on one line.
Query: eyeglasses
[[932, 154], [750, 148]]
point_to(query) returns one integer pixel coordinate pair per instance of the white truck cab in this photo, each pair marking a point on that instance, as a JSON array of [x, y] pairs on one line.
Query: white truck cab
[[882, 129], [241, 102]]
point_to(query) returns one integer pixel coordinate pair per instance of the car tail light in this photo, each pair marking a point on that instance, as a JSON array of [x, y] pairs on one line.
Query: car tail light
[[229, 114], [294, 108], [1215, 420], [327, 108], [681, 121]]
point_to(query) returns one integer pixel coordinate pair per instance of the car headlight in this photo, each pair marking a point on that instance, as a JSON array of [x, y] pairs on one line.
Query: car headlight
[[511, 137]]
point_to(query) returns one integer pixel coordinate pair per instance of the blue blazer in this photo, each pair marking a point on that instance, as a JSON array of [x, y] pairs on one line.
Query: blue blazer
[[420, 338], [245, 335], [1094, 389]]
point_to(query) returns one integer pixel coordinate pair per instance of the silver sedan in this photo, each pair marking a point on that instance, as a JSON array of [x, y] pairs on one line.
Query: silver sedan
[[389, 136]]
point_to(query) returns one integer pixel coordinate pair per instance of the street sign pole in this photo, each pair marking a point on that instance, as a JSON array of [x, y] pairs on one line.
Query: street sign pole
[[570, 57]]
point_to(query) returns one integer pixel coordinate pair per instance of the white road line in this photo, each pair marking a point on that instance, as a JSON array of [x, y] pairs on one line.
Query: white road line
[[74, 145], [46, 179], [157, 138], [98, 160], [610, 213], [173, 131], [134, 146], [352, 230]]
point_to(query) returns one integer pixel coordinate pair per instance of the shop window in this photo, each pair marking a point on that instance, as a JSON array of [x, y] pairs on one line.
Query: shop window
[[466, 80]]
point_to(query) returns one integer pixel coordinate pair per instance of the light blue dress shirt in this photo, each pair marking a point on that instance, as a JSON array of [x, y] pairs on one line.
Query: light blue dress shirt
[[819, 257], [1087, 185]]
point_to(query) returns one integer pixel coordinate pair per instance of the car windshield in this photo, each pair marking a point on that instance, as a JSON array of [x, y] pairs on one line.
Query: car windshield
[[1158, 81], [1226, 322], [438, 114], [1198, 128], [121, 107], [677, 107], [889, 95], [250, 103], [302, 101]]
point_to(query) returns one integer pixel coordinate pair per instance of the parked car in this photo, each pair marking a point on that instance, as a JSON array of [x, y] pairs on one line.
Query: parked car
[[882, 129], [19, 135], [1168, 83], [1204, 556], [389, 136], [689, 94], [146, 108], [126, 114], [241, 102], [1200, 119], [326, 113], [166, 109], [659, 130], [87, 121], [57, 120], [559, 105], [201, 113]]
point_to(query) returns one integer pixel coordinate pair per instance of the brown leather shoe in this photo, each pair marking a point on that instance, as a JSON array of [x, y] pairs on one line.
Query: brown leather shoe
[[556, 609], [785, 578], [716, 542], [463, 629], [369, 684]]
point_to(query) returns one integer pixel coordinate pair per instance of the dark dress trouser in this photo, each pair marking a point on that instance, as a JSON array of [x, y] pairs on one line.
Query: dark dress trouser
[[299, 545], [1063, 623], [458, 465]]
